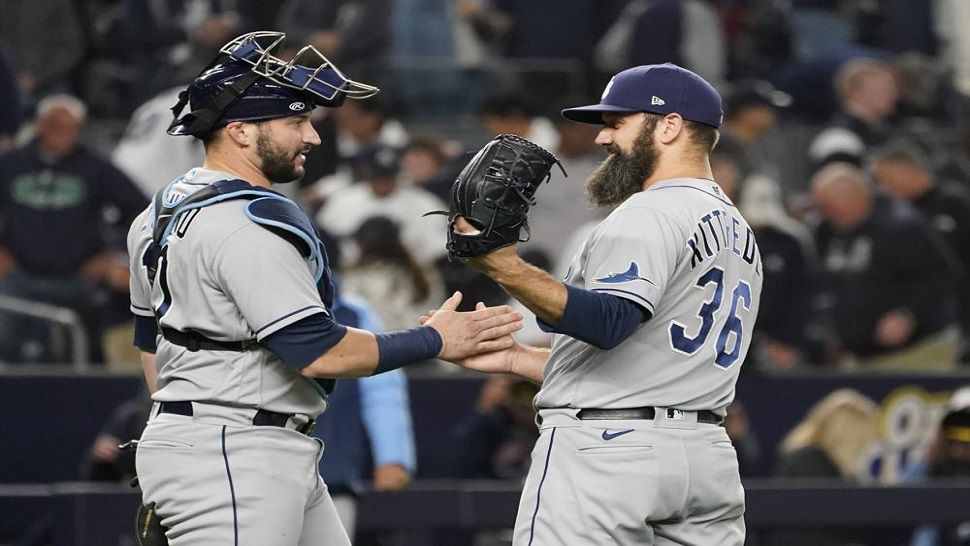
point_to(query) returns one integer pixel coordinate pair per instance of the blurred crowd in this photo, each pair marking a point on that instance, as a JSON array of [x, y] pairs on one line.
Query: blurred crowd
[[845, 144]]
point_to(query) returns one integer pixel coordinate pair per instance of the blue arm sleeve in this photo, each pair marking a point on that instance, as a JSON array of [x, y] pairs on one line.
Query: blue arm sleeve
[[302, 342], [145, 332], [386, 412], [602, 320]]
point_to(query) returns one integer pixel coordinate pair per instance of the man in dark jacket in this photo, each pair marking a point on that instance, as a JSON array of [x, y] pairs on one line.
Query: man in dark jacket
[[889, 275], [902, 171], [58, 202]]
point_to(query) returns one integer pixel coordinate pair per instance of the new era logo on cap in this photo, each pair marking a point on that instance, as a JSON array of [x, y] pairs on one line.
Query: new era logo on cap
[[659, 89]]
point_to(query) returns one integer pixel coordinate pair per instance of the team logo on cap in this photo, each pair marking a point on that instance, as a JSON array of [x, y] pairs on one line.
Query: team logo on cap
[[297, 106], [657, 101]]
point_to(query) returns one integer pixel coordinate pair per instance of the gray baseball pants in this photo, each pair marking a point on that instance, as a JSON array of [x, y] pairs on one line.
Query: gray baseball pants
[[630, 482], [218, 480]]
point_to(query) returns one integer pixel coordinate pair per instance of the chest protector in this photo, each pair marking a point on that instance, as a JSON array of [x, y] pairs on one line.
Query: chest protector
[[267, 208]]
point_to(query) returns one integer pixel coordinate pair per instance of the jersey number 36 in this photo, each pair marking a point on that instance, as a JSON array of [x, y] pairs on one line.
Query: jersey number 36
[[689, 345]]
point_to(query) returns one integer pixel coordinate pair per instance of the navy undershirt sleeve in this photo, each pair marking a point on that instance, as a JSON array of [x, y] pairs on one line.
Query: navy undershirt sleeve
[[145, 331], [302, 342], [602, 320]]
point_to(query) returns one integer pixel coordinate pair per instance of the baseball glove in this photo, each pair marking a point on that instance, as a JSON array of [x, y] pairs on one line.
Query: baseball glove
[[494, 192]]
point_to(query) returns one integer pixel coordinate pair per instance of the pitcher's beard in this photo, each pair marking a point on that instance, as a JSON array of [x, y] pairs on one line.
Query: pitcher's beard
[[620, 175]]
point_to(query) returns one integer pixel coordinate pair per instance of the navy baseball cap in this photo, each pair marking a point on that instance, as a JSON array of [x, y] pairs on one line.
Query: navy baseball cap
[[657, 88]]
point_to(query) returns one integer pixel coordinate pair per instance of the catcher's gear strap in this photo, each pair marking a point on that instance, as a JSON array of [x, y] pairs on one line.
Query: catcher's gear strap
[[148, 526], [169, 207], [201, 121], [602, 320]]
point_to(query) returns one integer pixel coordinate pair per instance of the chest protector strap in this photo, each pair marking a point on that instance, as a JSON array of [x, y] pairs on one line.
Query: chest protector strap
[[267, 208]]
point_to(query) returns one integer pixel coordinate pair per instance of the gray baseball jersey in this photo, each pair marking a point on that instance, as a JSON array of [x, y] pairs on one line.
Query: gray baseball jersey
[[229, 279], [681, 250]]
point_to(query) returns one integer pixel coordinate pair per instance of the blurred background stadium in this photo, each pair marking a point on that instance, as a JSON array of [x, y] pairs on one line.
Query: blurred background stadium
[[846, 144]]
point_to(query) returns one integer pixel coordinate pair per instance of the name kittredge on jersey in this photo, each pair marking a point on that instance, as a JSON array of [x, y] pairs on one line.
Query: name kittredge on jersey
[[682, 251], [723, 229]]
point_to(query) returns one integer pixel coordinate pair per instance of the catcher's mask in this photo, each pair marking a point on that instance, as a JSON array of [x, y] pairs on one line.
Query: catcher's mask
[[249, 82]]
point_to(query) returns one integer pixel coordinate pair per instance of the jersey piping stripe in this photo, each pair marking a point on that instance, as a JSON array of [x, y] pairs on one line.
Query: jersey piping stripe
[[284, 317], [702, 191], [532, 529], [634, 294], [232, 490]]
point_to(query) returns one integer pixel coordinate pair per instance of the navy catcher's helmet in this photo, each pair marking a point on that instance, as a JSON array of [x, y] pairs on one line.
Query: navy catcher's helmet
[[248, 82]]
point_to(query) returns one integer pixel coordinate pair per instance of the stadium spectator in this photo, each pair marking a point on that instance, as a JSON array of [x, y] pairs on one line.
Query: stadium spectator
[[955, 160], [759, 37], [890, 276], [149, 156], [105, 461], [444, 54], [546, 58], [55, 245], [780, 341], [746, 444], [360, 127], [367, 419], [161, 44], [948, 458], [685, 32], [902, 170], [382, 195], [496, 439], [355, 34], [820, 28], [750, 114], [832, 441], [510, 112], [46, 42], [426, 164], [385, 273], [868, 93], [562, 201]]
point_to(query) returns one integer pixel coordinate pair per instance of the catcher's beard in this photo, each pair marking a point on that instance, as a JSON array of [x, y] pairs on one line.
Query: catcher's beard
[[621, 175], [277, 164]]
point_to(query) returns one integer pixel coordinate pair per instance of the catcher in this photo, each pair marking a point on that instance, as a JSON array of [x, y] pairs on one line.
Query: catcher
[[233, 295], [651, 323]]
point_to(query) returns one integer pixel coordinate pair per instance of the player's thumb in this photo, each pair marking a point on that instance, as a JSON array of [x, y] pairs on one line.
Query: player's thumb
[[451, 303], [479, 306]]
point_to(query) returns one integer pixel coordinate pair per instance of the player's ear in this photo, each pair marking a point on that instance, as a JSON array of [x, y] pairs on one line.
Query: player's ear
[[242, 133], [669, 128]]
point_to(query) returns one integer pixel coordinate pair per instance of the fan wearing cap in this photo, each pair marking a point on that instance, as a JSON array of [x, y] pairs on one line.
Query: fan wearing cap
[[232, 294], [651, 326], [751, 111]]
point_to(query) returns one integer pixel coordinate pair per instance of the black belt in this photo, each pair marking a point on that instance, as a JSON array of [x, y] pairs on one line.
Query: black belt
[[703, 416], [194, 341], [263, 418]]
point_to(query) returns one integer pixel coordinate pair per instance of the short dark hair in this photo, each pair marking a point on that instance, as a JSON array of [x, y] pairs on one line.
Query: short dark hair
[[704, 137], [901, 151], [209, 136]]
